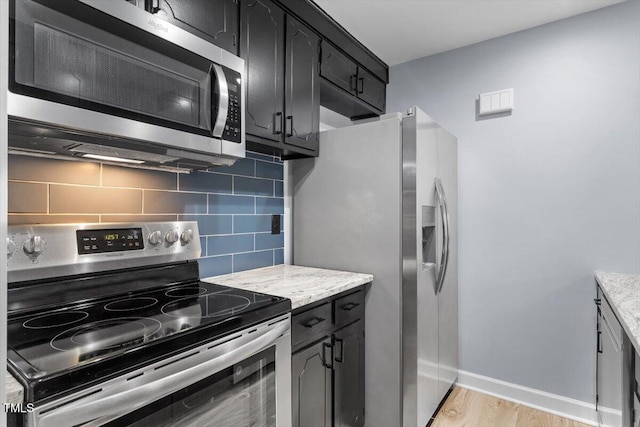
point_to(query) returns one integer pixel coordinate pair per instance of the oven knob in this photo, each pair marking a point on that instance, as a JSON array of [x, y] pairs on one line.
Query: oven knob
[[186, 236], [172, 237], [34, 246], [155, 237], [11, 247]]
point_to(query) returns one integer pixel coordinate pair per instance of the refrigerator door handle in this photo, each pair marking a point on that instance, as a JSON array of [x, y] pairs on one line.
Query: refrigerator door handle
[[444, 212]]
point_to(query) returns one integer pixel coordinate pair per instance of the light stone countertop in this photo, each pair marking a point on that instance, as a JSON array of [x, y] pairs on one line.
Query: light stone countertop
[[623, 292], [15, 391], [302, 285]]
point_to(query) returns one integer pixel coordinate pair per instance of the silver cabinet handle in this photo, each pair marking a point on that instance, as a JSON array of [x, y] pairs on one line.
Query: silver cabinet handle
[[444, 213], [137, 396], [223, 102]]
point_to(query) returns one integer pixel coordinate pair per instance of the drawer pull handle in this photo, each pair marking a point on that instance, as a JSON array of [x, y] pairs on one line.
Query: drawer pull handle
[[313, 322], [339, 356], [349, 306], [328, 360]]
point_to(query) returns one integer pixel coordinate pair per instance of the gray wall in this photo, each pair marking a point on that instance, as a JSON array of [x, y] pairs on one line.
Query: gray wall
[[547, 195]]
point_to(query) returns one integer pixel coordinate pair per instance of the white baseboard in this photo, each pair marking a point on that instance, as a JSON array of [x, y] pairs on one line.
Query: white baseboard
[[548, 402]]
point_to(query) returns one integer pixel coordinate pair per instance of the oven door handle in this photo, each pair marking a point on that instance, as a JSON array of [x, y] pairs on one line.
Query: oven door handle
[[96, 409]]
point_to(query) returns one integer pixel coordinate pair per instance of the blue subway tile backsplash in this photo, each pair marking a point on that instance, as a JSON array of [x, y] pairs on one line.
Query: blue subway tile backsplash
[[211, 224], [221, 245], [269, 170], [253, 186], [252, 223], [279, 189], [278, 256], [237, 225], [245, 167], [250, 260], [269, 241], [269, 205], [216, 265], [231, 204], [205, 182]]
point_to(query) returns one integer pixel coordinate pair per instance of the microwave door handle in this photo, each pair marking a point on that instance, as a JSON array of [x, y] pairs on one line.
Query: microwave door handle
[[99, 409], [223, 101]]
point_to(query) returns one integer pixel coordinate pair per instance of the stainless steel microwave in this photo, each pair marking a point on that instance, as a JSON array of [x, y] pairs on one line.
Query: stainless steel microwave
[[107, 81]]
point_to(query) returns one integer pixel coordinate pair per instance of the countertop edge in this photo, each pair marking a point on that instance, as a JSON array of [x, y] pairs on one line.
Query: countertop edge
[[322, 295], [302, 285], [622, 318], [15, 391]]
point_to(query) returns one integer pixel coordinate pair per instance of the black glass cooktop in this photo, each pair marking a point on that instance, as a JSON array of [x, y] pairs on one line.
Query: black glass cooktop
[[100, 337]]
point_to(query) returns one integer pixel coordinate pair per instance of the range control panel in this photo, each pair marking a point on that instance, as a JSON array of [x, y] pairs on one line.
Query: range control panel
[[109, 240], [37, 251]]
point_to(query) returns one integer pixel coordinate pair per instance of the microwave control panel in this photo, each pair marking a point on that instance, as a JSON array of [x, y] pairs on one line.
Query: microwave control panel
[[233, 127]]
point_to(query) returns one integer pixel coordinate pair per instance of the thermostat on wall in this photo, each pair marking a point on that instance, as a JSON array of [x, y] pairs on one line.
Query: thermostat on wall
[[496, 102]]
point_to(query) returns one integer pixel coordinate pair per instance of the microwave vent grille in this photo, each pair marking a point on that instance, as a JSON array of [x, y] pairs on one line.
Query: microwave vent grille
[[102, 150]]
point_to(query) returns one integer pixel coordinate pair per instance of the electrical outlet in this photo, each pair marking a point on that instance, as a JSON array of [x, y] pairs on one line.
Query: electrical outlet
[[275, 224]]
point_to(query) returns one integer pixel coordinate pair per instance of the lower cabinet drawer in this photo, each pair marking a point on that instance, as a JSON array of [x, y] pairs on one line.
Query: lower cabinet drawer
[[349, 308], [311, 325]]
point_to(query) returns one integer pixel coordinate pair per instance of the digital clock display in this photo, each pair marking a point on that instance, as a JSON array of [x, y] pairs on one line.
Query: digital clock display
[[109, 240]]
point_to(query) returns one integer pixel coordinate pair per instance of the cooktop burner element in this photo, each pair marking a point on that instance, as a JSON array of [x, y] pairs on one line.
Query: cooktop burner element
[[99, 337], [211, 305], [53, 320], [188, 291], [131, 304]]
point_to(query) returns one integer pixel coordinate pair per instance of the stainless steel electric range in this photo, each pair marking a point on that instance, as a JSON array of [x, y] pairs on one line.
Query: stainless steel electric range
[[109, 324]]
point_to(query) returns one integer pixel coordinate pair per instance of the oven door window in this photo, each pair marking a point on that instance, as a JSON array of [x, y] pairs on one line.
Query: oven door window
[[242, 395]]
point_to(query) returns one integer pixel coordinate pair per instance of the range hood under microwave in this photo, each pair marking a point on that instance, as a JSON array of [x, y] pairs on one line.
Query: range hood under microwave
[[104, 80]]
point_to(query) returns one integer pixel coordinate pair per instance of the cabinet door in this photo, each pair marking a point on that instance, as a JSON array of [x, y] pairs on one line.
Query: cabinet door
[[337, 68], [311, 388], [262, 48], [370, 89], [214, 20], [349, 376], [302, 87], [609, 368]]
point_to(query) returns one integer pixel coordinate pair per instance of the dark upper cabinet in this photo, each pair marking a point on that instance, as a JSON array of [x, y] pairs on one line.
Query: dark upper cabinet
[[302, 87], [344, 75], [370, 89], [262, 48], [214, 20], [283, 89], [311, 386], [337, 68]]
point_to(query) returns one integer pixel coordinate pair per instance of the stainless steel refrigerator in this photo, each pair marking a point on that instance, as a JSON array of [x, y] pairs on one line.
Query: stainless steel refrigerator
[[382, 198]]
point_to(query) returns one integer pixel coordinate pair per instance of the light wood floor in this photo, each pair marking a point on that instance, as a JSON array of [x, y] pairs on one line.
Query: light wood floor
[[466, 408]]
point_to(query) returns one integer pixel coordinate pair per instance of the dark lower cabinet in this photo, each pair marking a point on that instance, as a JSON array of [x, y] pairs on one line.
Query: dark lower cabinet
[[214, 20], [312, 393], [328, 363], [349, 376]]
